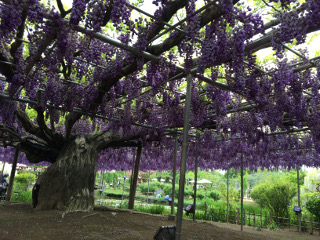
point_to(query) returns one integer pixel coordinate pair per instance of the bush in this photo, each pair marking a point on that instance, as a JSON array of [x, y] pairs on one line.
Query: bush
[[22, 196], [200, 195], [167, 189], [23, 178], [215, 195], [313, 206], [153, 186], [188, 191], [276, 196], [176, 190], [127, 188], [234, 195]]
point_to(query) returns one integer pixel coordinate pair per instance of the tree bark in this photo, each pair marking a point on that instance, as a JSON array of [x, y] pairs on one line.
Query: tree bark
[[68, 184]]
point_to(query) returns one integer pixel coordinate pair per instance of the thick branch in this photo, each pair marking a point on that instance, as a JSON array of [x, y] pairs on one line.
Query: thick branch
[[109, 139], [210, 14], [5, 69], [107, 14], [61, 8], [9, 136], [35, 58], [56, 139], [170, 9], [37, 153], [20, 31], [27, 124], [107, 84]]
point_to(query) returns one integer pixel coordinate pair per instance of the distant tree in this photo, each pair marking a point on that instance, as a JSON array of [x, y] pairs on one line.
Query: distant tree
[[292, 176], [275, 195], [313, 206], [234, 195]]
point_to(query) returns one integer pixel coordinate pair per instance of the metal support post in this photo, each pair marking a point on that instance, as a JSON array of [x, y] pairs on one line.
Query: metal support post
[[148, 187], [13, 172], [299, 215], [134, 179], [228, 194], [195, 178], [183, 158], [174, 173], [241, 191]]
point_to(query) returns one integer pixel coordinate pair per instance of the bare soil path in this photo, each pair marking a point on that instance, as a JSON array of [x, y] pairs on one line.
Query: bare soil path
[[20, 221]]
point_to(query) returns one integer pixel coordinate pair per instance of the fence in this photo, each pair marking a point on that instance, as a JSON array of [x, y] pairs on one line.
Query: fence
[[253, 219]]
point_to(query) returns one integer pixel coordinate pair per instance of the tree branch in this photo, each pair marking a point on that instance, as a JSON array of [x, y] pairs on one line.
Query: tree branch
[[104, 86], [61, 9], [109, 139], [54, 139], [20, 31], [48, 40], [5, 69], [108, 14], [9, 136], [37, 153]]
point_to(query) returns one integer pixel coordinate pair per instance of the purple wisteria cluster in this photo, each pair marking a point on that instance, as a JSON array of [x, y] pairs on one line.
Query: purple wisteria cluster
[[78, 10], [62, 77]]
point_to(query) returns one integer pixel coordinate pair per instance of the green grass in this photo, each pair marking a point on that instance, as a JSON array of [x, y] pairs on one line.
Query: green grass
[[22, 196], [114, 191], [153, 209]]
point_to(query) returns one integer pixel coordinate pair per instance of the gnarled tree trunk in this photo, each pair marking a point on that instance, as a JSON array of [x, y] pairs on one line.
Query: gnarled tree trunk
[[68, 184]]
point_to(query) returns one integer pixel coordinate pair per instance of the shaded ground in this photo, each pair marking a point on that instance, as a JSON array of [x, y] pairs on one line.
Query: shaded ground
[[20, 221]]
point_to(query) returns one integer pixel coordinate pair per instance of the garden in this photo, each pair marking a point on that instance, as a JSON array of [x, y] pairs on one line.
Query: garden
[[159, 106]]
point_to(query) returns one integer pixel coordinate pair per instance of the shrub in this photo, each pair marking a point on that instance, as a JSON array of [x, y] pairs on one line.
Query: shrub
[[23, 178], [200, 195], [22, 196], [234, 195], [176, 190], [127, 188], [188, 191], [276, 196], [142, 187], [313, 206], [167, 189], [215, 195], [153, 186]]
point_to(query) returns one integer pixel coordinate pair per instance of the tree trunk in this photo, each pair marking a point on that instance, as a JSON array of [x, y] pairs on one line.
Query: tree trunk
[[68, 184]]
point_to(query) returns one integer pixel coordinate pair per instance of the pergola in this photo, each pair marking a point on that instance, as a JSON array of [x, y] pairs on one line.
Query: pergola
[[135, 85]]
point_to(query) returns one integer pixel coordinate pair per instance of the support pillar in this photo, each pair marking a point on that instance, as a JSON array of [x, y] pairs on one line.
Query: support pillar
[[299, 215], [241, 191], [195, 177], [148, 187], [13, 172], [228, 194], [183, 158], [5, 160], [134, 179], [174, 175]]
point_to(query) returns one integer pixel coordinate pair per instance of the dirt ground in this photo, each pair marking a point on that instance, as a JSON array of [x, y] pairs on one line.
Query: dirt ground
[[20, 221]]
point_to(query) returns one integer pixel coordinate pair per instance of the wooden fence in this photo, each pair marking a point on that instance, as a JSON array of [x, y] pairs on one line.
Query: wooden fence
[[253, 219]]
